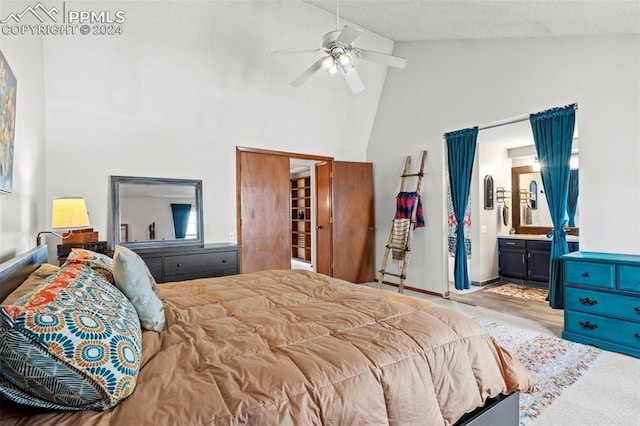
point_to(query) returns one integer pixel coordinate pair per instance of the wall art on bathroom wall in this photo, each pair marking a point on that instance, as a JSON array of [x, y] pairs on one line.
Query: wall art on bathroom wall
[[8, 85]]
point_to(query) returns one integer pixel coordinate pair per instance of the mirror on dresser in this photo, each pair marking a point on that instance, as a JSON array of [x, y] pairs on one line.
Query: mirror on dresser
[[156, 212], [525, 218]]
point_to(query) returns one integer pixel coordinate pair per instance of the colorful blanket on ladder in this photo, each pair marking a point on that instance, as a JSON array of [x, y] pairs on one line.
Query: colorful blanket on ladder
[[405, 202]]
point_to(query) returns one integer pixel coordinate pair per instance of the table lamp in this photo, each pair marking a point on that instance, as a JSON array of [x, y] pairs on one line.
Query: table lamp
[[67, 213]]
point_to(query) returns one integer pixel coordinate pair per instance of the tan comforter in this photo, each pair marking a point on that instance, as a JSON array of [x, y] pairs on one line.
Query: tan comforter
[[293, 347]]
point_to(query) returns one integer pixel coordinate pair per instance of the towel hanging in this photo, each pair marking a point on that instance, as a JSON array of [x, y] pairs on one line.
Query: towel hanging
[[528, 215], [505, 215]]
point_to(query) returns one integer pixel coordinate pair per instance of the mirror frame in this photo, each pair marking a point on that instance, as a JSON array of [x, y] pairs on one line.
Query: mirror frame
[[116, 181], [515, 202]]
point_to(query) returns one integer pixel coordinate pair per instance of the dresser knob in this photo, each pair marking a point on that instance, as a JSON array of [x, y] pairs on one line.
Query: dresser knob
[[179, 265], [637, 336], [224, 260], [637, 308], [588, 325], [588, 301], [586, 274]]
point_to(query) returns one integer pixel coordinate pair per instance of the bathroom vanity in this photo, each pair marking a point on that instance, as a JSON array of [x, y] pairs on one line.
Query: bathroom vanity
[[524, 258]]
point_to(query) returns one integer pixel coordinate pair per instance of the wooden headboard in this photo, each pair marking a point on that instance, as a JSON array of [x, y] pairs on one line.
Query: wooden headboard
[[14, 271]]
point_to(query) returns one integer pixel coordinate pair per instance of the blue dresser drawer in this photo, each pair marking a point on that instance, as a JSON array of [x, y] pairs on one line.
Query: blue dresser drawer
[[590, 274], [620, 332], [629, 278], [608, 304]]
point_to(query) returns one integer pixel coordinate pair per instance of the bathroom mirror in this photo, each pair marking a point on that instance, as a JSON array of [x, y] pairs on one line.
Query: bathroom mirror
[[155, 212], [525, 219]]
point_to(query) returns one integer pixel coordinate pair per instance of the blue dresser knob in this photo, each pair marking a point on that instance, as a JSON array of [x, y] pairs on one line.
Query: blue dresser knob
[[637, 309], [588, 301], [637, 336], [586, 274], [588, 325]]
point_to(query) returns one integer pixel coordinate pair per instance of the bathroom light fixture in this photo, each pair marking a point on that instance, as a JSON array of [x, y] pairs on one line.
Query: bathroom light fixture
[[536, 165], [66, 213], [574, 162]]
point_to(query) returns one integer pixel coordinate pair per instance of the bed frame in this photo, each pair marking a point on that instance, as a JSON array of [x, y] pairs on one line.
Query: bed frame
[[14, 271], [502, 410]]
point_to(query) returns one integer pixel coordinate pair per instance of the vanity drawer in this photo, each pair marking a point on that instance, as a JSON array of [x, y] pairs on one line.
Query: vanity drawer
[[590, 274], [620, 332], [506, 243], [539, 245], [608, 304], [629, 278]]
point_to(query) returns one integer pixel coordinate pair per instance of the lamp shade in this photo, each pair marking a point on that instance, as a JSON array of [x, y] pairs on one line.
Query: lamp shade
[[69, 212]]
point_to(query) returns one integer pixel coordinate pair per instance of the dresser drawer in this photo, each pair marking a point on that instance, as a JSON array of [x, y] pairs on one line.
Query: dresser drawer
[[204, 264], [629, 278], [590, 274], [154, 264], [224, 260], [608, 304], [620, 332]]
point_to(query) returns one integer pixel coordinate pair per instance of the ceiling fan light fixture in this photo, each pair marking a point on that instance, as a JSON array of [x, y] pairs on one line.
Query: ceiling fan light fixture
[[333, 69], [344, 59], [328, 62]]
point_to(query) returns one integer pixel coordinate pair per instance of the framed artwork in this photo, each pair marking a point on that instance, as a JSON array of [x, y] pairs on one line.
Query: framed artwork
[[8, 85]]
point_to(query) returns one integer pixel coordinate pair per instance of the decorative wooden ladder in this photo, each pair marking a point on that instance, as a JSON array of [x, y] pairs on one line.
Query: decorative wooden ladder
[[400, 240]]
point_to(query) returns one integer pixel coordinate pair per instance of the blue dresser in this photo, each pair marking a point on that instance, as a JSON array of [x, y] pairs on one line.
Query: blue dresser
[[602, 300]]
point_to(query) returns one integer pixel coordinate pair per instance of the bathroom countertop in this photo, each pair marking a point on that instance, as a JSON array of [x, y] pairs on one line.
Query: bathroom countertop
[[538, 237]]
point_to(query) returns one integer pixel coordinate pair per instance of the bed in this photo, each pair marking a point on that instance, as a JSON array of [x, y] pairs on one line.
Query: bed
[[295, 347]]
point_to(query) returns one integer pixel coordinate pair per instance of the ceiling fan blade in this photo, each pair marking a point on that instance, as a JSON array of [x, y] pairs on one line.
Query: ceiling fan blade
[[348, 35], [289, 52], [308, 73], [353, 79], [383, 58]]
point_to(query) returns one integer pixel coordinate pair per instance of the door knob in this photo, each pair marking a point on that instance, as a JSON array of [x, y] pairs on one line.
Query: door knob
[[319, 227]]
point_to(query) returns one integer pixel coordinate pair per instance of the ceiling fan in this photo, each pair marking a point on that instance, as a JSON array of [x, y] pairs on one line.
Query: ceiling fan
[[340, 52]]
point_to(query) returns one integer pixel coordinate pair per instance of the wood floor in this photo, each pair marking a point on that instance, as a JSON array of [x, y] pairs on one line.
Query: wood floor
[[537, 311]]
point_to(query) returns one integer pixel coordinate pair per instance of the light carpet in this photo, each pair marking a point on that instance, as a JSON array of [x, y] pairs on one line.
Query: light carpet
[[555, 364], [609, 394], [524, 292]]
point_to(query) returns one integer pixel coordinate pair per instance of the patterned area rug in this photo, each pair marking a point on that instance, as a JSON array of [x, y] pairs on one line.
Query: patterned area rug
[[524, 292], [554, 363]]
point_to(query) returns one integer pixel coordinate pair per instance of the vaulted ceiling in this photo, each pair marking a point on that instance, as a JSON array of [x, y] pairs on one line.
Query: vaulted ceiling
[[410, 20]]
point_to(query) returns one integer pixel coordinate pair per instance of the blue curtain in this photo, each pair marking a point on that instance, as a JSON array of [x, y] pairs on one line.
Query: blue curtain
[[461, 149], [553, 135], [572, 198], [180, 219]]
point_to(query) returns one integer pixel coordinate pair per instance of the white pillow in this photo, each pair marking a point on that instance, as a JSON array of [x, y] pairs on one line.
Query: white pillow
[[133, 278]]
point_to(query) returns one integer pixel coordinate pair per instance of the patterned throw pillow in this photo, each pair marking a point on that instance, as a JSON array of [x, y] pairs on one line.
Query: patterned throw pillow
[[100, 263], [74, 344], [136, 282]]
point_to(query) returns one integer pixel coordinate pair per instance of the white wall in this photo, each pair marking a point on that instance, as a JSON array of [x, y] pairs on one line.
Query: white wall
[[22, 212], [449, 85], [490, 160], [184, 85]]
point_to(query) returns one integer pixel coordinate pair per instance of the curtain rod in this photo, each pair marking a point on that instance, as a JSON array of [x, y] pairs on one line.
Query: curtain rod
[[511, 120]]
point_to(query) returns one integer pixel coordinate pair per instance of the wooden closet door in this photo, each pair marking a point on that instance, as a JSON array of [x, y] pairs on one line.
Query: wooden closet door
[[324, 242], [264, 215], [353, 221]]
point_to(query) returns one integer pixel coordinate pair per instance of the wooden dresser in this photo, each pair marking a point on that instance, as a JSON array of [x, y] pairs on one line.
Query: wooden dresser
[[602, 300], [190, 262]]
